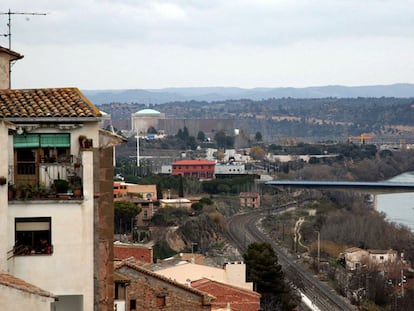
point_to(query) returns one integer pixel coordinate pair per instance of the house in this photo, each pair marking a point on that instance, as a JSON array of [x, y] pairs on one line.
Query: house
[[380, 260], [355, 258], [229, 169], [52, 238], [200, 169], [123, 189], [144, 196], [228, 296], [150, 291], [233, 273], [22, 295], [249, 199]]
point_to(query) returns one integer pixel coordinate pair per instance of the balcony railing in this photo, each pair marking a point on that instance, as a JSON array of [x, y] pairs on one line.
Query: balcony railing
[[45, 180], [27, 250]]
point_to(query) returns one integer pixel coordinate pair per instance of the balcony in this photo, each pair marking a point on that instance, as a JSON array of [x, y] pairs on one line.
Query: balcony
[[46, 180]]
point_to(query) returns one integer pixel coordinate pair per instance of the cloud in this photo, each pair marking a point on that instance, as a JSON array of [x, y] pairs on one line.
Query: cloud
[[150, 43]]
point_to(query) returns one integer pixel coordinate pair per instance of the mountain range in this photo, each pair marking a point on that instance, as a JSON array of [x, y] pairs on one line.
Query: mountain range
[[211, 94]]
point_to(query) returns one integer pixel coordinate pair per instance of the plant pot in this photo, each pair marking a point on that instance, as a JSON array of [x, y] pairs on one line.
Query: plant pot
[[77, 193]]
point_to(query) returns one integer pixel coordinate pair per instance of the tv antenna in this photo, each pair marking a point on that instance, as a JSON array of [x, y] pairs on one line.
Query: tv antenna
[[10, 13], [9, 33]]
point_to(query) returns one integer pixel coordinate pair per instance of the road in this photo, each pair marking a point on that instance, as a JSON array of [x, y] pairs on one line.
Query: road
[[243, 229]]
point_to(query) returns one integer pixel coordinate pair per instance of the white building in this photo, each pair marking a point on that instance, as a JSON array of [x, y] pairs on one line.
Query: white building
[[51, 238], [232, 273], [142, 120], [229, 169]]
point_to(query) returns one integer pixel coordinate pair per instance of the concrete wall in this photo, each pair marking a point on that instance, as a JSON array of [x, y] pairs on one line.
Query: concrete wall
[[69, 269], [4, 247]]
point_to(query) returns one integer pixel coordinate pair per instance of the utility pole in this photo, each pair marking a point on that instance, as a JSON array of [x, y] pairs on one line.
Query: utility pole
[[9, 32], [319, 248]]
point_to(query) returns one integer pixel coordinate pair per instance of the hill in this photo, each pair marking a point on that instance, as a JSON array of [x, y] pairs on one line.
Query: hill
[[210, 94]]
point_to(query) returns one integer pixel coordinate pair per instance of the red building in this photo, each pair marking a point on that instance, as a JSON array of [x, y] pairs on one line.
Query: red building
[[201, 169]]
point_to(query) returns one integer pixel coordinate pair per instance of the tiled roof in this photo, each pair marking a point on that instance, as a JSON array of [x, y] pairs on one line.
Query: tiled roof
[[46, 103], [11, 281], [194, 162], [200, 285]]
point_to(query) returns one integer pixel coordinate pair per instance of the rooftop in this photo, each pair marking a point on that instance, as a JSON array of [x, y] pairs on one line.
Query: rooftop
[[147, 111], [46, 103], [194, 162], [11, 281]]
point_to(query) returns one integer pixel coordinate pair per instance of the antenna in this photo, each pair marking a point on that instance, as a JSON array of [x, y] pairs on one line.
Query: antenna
[[9, 34], [10, 13]]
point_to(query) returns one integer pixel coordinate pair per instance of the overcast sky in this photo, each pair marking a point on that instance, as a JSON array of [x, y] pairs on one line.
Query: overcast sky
[[123, 44]]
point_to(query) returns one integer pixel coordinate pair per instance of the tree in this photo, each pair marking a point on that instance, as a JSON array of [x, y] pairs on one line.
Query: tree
[[201, 136], [264, 270], [181, 187], [258, 136], [151, 130], [124, 215], [257, 153]]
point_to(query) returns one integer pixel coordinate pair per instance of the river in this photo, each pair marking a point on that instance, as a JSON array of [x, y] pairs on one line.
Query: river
[[399, 207]]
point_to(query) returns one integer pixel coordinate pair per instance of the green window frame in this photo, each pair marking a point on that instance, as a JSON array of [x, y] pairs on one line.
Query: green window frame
[[42, 140]]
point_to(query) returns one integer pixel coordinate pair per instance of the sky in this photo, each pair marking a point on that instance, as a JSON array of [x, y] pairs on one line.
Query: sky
[[153, 44]]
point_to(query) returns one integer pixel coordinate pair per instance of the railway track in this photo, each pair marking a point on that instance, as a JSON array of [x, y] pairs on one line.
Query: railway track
[[243, 229]]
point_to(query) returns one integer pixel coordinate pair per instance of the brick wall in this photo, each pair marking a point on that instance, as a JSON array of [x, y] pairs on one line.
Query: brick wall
[[104, 229], [150, 292], [140, 253]]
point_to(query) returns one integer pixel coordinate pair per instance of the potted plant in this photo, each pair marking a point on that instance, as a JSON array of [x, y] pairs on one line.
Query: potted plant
[[61, 185], [11, 191], [76, 186]]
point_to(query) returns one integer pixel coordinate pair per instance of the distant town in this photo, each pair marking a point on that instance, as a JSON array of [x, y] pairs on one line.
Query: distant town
[[168, 206]]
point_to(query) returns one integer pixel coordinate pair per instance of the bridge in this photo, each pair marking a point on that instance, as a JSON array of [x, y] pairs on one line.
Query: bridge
[[374, 188], [361, 186]]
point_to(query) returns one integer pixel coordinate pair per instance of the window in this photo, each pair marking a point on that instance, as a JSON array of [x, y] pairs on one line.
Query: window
[[161, 300], [33, 236], [132, 304], [33, 149]]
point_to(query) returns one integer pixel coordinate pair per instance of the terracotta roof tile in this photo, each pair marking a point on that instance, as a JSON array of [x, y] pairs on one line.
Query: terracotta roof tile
[[11, 281], [46, 103]]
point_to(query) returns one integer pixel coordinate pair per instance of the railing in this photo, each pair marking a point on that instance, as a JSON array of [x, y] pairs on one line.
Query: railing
[[44, 179], [25, 250]]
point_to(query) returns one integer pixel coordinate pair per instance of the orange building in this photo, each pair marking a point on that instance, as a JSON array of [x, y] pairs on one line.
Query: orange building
[[201, 169]]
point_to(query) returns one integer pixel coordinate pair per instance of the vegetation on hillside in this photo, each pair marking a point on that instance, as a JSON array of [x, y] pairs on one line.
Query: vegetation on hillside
[[263, 269]]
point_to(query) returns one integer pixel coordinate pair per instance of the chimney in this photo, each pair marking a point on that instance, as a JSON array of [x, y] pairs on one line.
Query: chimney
[[7, 57]]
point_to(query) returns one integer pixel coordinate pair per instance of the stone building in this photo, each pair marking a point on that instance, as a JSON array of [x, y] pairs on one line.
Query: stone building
[[250, 199], [147, 290]]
